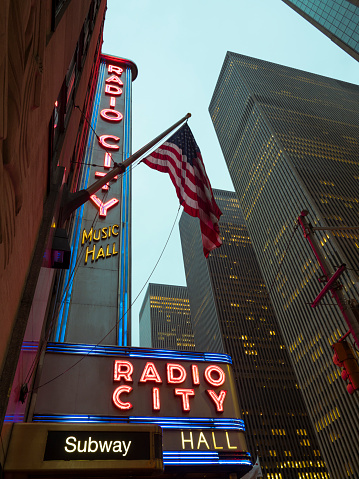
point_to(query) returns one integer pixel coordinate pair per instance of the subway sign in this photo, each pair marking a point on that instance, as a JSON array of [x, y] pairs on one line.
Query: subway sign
[[83, 449], [97, 445], [191, 396]]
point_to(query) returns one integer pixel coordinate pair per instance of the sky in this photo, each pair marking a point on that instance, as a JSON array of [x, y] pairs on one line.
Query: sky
[[179, 48]]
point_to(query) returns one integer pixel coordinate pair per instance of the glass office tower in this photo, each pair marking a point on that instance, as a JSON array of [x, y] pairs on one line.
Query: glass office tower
[[232, 314], [165, 318], [290, 140], [338, 19]]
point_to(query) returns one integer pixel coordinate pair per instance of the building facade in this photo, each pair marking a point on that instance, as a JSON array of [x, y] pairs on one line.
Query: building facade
[[50, 54], [289, 139], [337, 19], [165, 318], [233, 314]]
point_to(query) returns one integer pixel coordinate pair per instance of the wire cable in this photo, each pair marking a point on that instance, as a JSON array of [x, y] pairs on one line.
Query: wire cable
[[120, 319]]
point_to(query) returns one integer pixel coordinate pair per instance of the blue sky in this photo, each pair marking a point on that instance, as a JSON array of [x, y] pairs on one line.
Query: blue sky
[[179, 48]]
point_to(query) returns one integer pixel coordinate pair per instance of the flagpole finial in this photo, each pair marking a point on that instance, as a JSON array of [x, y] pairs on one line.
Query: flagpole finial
[[188, 115]]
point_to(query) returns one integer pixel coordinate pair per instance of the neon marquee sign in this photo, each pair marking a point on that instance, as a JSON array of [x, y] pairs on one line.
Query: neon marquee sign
[[176, 374], [110, 142]]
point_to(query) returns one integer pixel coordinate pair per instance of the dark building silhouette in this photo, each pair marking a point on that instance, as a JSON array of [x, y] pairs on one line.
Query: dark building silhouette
[[290, 140], [337, 19], [232, 314], [49, 58], [165, 318]]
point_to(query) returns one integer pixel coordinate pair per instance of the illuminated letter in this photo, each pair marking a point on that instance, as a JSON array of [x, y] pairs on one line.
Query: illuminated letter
[[100, 254], [195, 374], [98, 236], [218, 400], [211, 380], [114, 79], [122, 369], [116, 397], [92, 252], [150, 373], [117, 446], [103, 207], [179, 378], [84, 448], [185, 393], [113, 230], [68, 439], [202, 439], [107, 160], [156, 405], [115, 69], [114, 249], [229, 444], [214, 442], [112, 102], [100, 174], [92, 442], [104, 233], [187, 440], [104, 144], [108, 254], [113, 90], [86, 236], [111, 115]]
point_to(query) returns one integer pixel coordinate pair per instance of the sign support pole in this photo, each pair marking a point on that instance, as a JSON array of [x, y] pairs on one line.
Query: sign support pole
[[349, 311]]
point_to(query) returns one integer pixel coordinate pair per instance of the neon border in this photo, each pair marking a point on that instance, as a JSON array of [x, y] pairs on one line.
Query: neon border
[[69, 277], [165, 422], [96, 350]]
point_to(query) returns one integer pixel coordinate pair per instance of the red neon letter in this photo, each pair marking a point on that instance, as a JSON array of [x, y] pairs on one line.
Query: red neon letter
[[100, 174], [103, 207], [114, 79], [150, 373], [115, 69], [113, 90], [156, 404], [106, 145], [218, 400], [195, 374], [185, 393], [107, 160], [122, 369], [116, 397], [180, 374], [211, 380], [112, 102], [111, 115]]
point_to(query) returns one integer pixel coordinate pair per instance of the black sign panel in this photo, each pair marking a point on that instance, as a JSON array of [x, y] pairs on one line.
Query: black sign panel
[[97, 445]]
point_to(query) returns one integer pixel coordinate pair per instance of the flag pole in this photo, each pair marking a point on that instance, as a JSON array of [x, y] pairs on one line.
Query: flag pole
[[72, 201]]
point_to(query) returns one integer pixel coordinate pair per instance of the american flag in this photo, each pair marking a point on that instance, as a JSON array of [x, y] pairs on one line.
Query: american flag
[[180, 157]]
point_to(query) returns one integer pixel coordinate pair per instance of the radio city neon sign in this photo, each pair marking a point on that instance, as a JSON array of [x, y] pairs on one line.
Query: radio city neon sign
[[113, 89], [176, 374]]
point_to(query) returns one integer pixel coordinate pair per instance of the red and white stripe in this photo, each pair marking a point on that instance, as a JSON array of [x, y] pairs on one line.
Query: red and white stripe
[[193, 189]]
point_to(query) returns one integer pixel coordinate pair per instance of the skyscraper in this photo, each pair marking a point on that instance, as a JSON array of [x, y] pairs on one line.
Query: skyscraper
[[337, 19], [165, 318], [232, 313], [289, 139]]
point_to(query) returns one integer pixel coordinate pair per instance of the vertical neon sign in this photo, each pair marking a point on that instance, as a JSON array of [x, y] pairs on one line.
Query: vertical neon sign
[[107, 254]]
